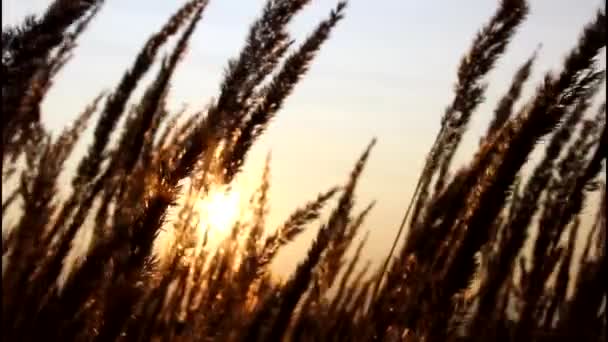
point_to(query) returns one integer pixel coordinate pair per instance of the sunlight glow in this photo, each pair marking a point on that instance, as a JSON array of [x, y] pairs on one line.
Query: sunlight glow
[[218, 210], [214, 213]]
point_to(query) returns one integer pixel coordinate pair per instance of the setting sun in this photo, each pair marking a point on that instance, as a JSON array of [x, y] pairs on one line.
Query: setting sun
[[218, 210]]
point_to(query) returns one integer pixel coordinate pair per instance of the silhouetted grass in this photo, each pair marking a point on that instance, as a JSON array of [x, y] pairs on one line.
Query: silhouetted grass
[[465, 226]]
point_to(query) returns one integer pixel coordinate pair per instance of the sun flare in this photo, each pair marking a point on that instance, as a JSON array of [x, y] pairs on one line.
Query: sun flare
[[218, 210], [215, 213]]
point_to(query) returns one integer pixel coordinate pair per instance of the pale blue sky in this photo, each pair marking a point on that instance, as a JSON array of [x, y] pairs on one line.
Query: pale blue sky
[[387, 71]]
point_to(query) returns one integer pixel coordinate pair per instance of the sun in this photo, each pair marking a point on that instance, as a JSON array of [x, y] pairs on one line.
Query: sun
[[218, 210], [216, 213]]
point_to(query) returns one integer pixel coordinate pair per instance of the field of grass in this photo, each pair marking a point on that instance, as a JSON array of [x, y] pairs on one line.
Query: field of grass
[[152, 182]]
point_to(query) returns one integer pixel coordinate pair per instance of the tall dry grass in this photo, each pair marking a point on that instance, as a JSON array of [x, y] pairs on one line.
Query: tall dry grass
[[462, 226]]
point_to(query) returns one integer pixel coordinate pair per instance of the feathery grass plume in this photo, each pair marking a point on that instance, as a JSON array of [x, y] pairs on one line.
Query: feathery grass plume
[[152, 106], [556, 214], [562, 277], [29, 107], [26, 52], [574, 160], [66, 207], [521, 218], [545, 247], [43, 186], [359, 292], [329, 266], [260, 209], [67, 140], [411, 267], [118, 100], [337, 300], [332, 261], [164, 134], [292, 227], [26, 234], [581, 147], [248, 267], [126, 283], [150, 318], [127, 271], [509, 150], [337, 223], [489, 44], [24, 46], [114, 106], [273, 95], [532, 124], [176, 135], [135, 142], [504, 109], [91, 274], [65, 51], [296, 286], [266, 43], [584, 309]]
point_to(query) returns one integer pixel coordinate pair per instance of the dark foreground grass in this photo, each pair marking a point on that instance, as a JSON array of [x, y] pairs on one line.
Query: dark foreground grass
[[462, 225]]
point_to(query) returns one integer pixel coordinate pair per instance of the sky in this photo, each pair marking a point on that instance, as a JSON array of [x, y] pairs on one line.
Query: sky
[[387, 71]]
